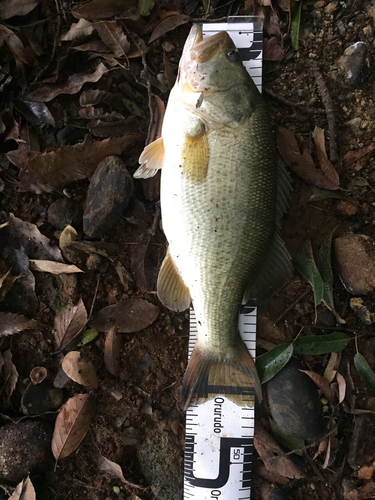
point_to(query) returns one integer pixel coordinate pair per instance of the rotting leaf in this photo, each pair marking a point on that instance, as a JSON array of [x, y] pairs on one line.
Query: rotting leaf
[[305, 263], [72, 424], [49, 266], [21, 54], [39, 110], [97, 9], [332, 366], [88, 337], [321, 344], [78, 369], [54, 170], [326, 166], [144, 264], [69, 322], [24, 491], [112, 351], [67, 236], [113, 37], [11, 323], [81, 29], [272, 362], [320, 382], [356, 159], [168, 24], [272, 49], [6, 283], [341, 386], [301, 164], [364, 370], [131, 316], [114, 469], [324, 194], [362, 493], [12, 8]]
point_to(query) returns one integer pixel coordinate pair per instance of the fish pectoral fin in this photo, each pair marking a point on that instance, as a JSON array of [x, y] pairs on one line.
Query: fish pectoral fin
[[276, 269], [151, 160], [171, 289], [194, 156], [209, 374]]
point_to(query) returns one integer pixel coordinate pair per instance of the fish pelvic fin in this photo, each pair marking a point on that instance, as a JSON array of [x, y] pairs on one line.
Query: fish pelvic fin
[[233, 375], [171, 289], [151, 160]]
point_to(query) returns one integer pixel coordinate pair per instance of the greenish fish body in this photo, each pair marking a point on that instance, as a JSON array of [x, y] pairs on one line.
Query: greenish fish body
[[220, 209]]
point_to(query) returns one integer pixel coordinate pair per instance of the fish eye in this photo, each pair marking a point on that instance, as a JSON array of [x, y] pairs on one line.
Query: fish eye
[[233, 55]]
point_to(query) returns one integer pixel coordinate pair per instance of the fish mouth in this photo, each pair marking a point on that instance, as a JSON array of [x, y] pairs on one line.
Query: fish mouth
[[203, 50]]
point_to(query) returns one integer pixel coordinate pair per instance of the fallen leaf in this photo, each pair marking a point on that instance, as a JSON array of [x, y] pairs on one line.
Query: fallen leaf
[[6, 283], [11, 8], [112, 351], [301, 164], [144, 264], [342, 386], [273, 456], [322, 447], [103, 128], [272, 362], [68, 236], [114, 469], [24, 491], [320, 382], [364, 370], [326, 166], [38, 374], [78, 369], [92, 97], [272, 50], [161, 14], [366, 471], [321, 344], [145, 7], [305, 263], [362, 493], [169, 74], [88, 336], [10, 375], [72, 424], [49, 266], [132, 315], [69, 322], [11, 323], [99, 9], [21, 54], [54, 170], [168, 24], [356, 159], [332, 366], [113, 37], [78, 30]]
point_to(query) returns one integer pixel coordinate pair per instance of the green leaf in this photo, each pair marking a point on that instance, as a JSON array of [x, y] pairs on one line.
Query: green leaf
[[294, 30], [288, 442], [88, 336], [325, 269], [145, 7], [133, 108], [321, 344], [325, 194], [365, 372], [305, 264], [271, 362]]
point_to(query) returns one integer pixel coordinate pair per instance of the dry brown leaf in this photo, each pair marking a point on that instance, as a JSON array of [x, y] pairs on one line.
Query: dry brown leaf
[[301, 164], [363, 493], [49, 266], [68, 323], [322, 447], [80, 370], [112, 351], [161, 14], [342, 386], [92, 97], [169, 74], [11, 8], [272, 455], [10, 375], [366, 471], [45, 93], [78, 30], [326, 166], [11, 323], [113, 37], [19, 157], [272, 49], [168, 24], [114, 469], [68, 236], [332, 366], [130, 316], [356, 159], [102, 128], [55, 169], [24, 491], [145, 262], [103, 9], [21, 54], [320, 382], [6, 283], [72, 424]]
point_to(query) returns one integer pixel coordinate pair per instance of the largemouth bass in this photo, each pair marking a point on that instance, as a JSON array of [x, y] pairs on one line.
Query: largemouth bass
[[222, 197]]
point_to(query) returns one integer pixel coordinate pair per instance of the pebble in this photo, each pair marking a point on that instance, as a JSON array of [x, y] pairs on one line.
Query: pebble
[[25, 448], [361, 445], [356, 64], [294, 403], [109, 192], [365, 310], [40, 398], [355, 256], [65, 211]]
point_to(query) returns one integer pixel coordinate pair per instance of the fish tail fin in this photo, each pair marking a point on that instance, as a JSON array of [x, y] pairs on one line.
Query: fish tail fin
[[233, 375]]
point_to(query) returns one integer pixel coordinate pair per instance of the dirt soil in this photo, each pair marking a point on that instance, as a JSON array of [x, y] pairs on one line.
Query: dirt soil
[[138, 422]]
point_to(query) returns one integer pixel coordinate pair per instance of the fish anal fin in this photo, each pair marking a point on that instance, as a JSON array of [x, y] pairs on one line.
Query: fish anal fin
[[151, 160], [171, 289], [209, 375], [194, 157]]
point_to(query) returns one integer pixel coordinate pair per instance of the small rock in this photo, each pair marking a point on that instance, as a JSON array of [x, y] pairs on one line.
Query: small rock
[[355, 255], [108, 194], [24, 448], [40, 398], [294, 403], [347, 207], [65, 211], [131, 436], [356, 64], [361, 445], [168, 47], [365, 310]]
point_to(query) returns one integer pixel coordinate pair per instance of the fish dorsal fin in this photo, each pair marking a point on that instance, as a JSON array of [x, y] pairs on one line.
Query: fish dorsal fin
[[194, 157], [277, 266], [151, 160], [172, 291]]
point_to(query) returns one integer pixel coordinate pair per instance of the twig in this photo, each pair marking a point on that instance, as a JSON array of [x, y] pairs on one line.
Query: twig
[[94, 298], [331, 119], [283, 100], [291, 306]]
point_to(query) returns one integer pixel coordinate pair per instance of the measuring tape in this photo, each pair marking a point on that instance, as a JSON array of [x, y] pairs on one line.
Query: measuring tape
[[220, 434]]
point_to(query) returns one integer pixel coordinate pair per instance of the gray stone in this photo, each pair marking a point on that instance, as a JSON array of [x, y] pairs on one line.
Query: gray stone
[[25, 448], [294, 403], [356, 64], [108, 195], [361, 445], [65, 211], [40, 398]]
